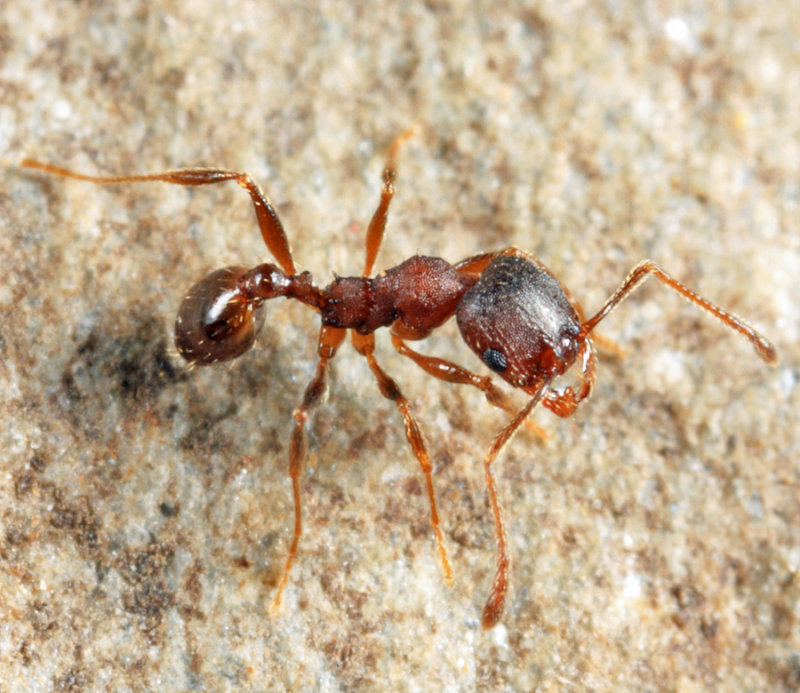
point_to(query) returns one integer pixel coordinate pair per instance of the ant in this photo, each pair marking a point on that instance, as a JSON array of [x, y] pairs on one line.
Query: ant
[[511, 311]]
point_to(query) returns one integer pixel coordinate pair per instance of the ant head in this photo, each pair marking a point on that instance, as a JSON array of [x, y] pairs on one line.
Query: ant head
[[519, 321], [217, 321]]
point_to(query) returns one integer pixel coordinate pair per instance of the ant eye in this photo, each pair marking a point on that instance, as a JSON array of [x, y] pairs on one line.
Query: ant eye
[[216, 321], [496, 360]]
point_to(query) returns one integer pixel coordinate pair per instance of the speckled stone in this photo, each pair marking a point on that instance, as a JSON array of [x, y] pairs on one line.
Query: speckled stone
[[146, 509]]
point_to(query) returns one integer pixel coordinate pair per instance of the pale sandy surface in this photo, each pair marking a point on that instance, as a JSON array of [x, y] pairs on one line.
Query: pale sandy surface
[[145, 509]]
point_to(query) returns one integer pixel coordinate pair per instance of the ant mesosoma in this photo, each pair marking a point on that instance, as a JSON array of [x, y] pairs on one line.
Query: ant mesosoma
[[511, 311]]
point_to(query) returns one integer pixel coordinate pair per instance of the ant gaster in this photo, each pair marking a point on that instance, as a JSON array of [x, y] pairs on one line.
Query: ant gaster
[[511, 311]]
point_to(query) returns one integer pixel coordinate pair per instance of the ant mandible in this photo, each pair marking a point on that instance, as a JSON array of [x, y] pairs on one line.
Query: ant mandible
[[511, 311]]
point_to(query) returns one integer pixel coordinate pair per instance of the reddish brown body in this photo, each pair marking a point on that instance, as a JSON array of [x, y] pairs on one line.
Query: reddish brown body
[[512, 312], [415, 298]]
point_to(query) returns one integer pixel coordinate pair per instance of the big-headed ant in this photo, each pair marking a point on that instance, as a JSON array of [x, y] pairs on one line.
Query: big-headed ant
[[511, 311]]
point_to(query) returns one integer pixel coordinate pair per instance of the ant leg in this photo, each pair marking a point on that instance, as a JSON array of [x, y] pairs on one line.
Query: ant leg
[[497, 597], [329, 340], [474, 266], [365, 345], [764, 348], [268, 221], [564, 401], [377, 225], [453, 373]]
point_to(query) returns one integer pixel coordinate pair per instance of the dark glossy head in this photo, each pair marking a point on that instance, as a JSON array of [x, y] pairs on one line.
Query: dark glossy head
[[216, 322], [519, 322]]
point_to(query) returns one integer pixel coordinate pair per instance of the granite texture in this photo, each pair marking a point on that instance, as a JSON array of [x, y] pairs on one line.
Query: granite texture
[[145, 508]]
